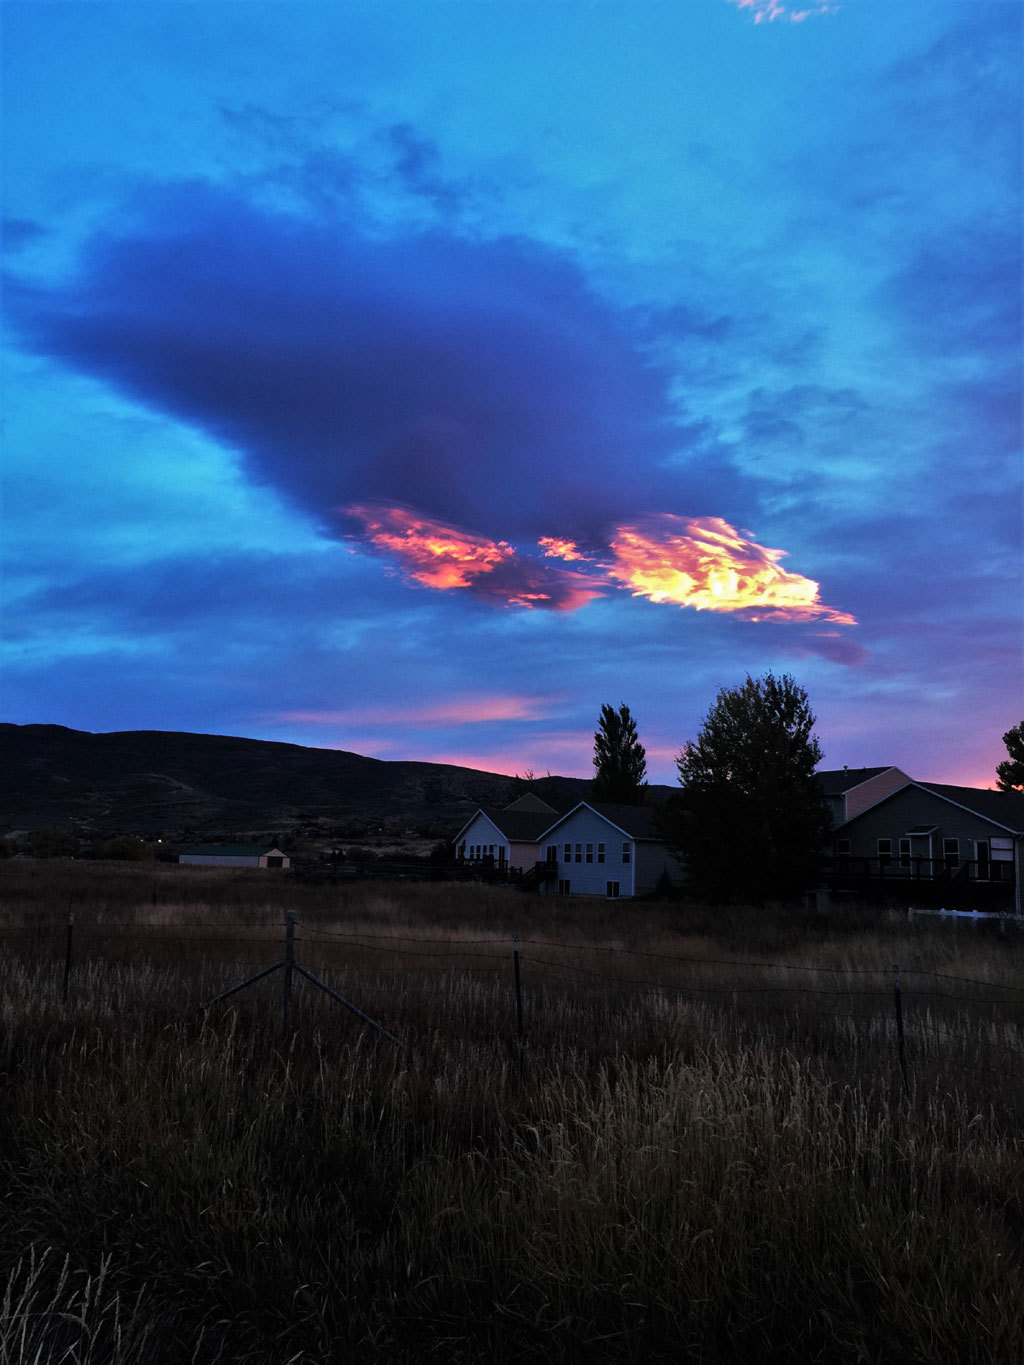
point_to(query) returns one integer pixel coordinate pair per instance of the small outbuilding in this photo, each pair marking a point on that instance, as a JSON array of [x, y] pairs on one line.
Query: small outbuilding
[[234, 855]]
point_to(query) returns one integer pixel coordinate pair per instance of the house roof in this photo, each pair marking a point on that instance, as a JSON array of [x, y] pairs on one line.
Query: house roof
[[518, 826], [1002, 808], [232, 850], [999, 808], [835, 781], [636, 821], [531, 802]]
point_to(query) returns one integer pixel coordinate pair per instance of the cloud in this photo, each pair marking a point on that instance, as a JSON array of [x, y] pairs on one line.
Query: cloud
[[772, 11], [472, 710], [452, 404]]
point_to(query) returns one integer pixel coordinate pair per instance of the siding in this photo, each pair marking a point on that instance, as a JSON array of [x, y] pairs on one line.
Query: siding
[[912, 806]]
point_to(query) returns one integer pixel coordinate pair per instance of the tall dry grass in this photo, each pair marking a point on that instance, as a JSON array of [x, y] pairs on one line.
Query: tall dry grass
[[682, 1159]]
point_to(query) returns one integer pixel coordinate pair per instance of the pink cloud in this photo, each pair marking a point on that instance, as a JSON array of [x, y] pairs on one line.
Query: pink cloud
[[459, 711]]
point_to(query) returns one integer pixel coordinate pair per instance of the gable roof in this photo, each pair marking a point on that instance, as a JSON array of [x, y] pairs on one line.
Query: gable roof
[[835, 781], [999, 808], [636, 821], [518, 826], [529, 801]]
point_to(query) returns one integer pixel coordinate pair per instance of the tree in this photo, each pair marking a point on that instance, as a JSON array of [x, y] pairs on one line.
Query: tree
[[1010, 773], [620, 759], [750, 819]]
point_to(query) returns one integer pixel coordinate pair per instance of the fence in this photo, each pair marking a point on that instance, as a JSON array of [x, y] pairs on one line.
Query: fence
[[900, 1001]]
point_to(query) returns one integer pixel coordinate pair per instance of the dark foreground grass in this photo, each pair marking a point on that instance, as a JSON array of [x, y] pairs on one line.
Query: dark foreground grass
[[651, 1174]]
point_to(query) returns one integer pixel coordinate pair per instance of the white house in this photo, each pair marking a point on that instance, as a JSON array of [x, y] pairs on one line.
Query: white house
[[507, 838], [234, 855], [606, 850]]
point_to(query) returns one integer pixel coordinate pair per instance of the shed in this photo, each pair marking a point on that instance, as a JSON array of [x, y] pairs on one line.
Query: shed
[[234, 855]]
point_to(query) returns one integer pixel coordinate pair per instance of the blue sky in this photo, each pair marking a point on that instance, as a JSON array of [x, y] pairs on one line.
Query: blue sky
[[415, 378]]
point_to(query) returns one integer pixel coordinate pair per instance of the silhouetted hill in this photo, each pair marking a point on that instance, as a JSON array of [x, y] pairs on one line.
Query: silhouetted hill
[[157, 781]]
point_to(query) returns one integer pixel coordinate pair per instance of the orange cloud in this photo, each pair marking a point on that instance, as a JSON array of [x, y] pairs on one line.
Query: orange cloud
[[442, 556], [699, 562], [705, 563], [434, 554]]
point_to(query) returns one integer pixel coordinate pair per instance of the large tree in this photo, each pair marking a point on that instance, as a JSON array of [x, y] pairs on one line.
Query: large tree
[[1010, 773], [620, 760], [750, 819]]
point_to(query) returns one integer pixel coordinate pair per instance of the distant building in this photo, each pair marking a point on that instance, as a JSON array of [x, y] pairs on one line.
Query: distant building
[[234, 855]]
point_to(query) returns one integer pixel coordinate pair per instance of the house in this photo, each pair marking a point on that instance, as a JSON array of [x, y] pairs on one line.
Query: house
[[508, 838], [606, 850], [952, 837], [848, 791], [234, 855]]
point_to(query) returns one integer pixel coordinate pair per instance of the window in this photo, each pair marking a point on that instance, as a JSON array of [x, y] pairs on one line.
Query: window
[[981, 868], [951, 853], [842, 848], [600, 853], [590, 853], [579, 853], [612, 890], [552, 854], [567, 853], [884, 853], [905, 853], [563, 887], [626, 850]]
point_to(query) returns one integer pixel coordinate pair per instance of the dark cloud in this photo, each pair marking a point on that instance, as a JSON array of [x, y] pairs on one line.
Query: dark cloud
[[18, 232], [480, 382]]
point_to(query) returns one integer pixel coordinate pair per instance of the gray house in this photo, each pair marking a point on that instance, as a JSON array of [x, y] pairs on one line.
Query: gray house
[[929, 834]]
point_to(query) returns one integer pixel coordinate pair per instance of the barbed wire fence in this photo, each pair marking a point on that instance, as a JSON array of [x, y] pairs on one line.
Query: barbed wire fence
[[898, 998]]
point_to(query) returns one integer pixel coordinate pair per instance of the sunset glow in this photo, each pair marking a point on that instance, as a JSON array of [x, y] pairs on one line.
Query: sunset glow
[[436, 555], [707, 564]]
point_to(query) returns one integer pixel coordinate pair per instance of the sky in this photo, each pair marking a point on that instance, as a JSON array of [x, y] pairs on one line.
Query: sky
[[413, 379]]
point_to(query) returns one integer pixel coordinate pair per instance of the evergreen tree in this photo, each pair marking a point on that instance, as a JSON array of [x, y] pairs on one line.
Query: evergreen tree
[[620, 760], [750, 819], [1010, 773]]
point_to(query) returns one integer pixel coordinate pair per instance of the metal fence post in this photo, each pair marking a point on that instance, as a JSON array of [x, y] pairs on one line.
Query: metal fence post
[[67, 955], [519, 986], [289, 963], [898, 996]]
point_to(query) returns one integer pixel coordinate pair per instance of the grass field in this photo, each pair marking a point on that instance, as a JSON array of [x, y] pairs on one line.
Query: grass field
[[702, 1148]]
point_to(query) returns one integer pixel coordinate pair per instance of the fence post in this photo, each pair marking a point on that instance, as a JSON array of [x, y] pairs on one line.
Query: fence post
[[899, 1022], [67, 955], [289, 963], [519, 985]]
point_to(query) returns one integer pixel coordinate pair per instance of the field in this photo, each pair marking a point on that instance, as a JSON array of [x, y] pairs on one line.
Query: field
[[706, 1143]]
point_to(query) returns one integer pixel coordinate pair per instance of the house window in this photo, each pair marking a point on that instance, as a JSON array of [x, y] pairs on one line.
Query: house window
[[842, 848], [563, 886], [552, 854], [884, 853], [567, 853], [981, 867], [951, 853], [579, 853], [600, 853], [612, 890], [626, 850], [904, 853], [590, 853]]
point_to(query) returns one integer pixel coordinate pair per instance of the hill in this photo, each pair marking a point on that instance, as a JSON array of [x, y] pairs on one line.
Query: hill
[[165, 782]]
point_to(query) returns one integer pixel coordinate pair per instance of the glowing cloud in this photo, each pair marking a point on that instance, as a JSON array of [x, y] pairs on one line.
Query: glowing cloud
[[705, 563], [443, 556], [770, 11], [555, 547]]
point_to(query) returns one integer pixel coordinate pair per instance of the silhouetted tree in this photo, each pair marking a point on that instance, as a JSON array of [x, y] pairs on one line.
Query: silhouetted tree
[[1010, 773], [620, 760], [750, 820]]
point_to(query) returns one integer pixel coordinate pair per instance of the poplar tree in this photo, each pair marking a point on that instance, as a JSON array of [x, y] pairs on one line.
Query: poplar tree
[[620, 760], [750, 821]]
